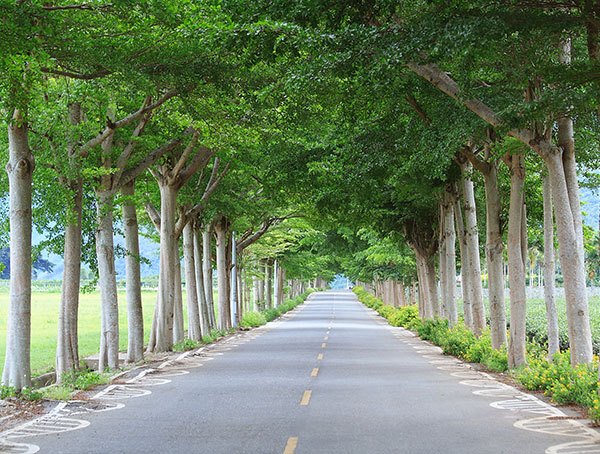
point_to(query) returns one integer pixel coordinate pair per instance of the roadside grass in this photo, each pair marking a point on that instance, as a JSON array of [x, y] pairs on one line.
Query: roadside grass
[[75, 381], [44, 325]]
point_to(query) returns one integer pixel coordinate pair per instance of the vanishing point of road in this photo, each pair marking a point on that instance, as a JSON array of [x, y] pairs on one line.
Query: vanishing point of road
[[329, 377]]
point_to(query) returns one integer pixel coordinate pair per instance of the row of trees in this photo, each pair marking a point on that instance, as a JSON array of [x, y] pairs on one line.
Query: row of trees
[[391, 127], [125, 113], [425, 100]]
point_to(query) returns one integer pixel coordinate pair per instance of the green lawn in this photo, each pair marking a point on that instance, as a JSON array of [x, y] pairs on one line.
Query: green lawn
[[44, 325]]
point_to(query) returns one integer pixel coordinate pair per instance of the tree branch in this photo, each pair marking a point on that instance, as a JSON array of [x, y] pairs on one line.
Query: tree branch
[[199, 160], [128, 150], [153, 214], [112, 127], [417, 108], [213, 183], [147, 162], [446, 84]]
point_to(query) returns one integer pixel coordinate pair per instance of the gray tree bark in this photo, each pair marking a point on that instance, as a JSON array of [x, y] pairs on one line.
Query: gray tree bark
[[472, 239], [221, 231], [450, 261], [464, 266], [67, 349], [261, 284], [178, 330], [442, 258], [517, 339], [135, 315], [208, 274], [20, 167], [281, 272], [199, 268], [494, 251], [193, 312], [549, 270], [109, 339]]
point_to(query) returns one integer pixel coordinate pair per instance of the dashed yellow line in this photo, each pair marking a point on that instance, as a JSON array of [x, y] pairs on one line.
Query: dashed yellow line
[[327, 332], [320, 357], [290, 447], [314, 372], [306, 397], [326, 337], [324, 344]]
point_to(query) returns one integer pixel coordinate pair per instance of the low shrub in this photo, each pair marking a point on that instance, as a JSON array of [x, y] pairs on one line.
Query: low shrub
[[7, 391], [185, 345], [253, 319], [563, 383], [404, 315], [270, 314], [85, 379], [75, 381], [386, 311]]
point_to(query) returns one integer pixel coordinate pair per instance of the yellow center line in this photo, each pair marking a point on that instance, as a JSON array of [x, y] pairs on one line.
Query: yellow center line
[[314, 372], [326, 337], [306, 397], [290, 447], [323, 345], [320, 356]]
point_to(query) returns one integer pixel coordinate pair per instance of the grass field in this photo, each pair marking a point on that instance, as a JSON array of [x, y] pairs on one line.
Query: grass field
[[44, 325]]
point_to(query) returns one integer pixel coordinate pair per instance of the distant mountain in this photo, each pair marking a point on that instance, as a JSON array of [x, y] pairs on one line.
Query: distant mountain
[[590, 207], [149, 250]]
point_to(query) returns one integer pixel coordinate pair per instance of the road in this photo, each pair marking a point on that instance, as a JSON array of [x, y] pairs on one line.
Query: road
[[330, 377]]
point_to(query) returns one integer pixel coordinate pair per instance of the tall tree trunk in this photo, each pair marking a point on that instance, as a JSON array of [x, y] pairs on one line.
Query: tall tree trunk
[[572, 263], [208, 274], [424, 311], [269, 283], [109, 337], [255, 293], [450, 261], [178, 330], [191, 289], [261, 284], [431, 282], [202, 302], [472, 238], [494, 250], [221, 229], [67, 350], [549, 279], [233, 282], [516, 347], [464, 266], [135, 315], [442, 258], [17, 369], [166, 282], [281, 272]]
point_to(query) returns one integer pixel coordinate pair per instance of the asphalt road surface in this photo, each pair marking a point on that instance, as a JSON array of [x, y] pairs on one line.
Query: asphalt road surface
[[330, 377]]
